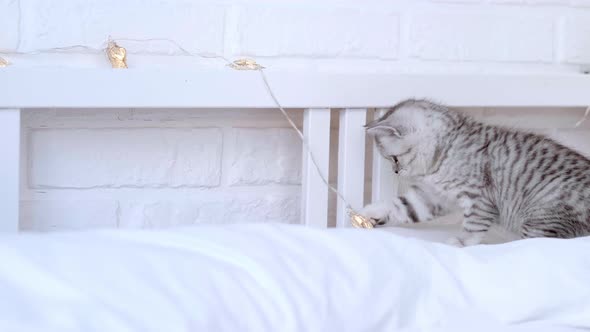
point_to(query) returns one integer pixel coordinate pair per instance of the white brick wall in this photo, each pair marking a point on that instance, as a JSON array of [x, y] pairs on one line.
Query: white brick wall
[[49, 24], [473, 35], [114, 158], [576, 39], [324, 32], [9, 19], [156, 168], [153, 168], [265, 156], [61, 214]]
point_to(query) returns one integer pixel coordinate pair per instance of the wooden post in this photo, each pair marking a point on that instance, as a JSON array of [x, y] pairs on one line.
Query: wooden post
[[351, 162], [314, 200]]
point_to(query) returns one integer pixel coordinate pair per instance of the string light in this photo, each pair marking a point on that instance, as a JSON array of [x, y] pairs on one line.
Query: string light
[[357, 220], [245, 64], [117, 55]]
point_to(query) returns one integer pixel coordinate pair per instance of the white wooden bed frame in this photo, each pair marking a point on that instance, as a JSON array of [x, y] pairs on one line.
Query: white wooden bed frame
[[314, 92]]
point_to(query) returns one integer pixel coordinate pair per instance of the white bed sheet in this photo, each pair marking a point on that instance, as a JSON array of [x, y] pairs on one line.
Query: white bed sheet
[[289, 278]]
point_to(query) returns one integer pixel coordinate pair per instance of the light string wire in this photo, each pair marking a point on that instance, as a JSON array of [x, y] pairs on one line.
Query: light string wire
[[357, 220], [302, 137], [584, 117], [104, 47]]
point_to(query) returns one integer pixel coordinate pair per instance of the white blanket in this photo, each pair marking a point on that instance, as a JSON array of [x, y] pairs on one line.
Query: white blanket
[[287, 278]]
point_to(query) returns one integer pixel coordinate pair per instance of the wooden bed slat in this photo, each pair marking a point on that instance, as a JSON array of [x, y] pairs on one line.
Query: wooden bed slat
[[351, 162], [314, 199], [228, 88]]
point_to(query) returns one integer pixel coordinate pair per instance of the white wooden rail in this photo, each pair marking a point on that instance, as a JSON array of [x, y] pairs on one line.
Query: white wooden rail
[[314, 198], [351, 161], [165, 88], [315, 92]]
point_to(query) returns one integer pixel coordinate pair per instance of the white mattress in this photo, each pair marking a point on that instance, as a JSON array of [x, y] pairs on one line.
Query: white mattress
[[289, 278]]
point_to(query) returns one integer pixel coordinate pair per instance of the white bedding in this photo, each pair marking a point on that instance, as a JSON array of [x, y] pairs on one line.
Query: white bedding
[[288, 278]]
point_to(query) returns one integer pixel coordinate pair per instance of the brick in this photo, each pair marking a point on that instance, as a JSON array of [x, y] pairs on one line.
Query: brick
[[159, 213], [88, 158], [575, 45], [265, 156], [480, 36], [318, 32], [195, 26], [166, 213], [153, 117], [51, 215], [9, 25], [269, 208]]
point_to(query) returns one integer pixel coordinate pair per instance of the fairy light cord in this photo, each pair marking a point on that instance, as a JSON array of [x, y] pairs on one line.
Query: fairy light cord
[[583, 117], [103, 49], [356, 219]]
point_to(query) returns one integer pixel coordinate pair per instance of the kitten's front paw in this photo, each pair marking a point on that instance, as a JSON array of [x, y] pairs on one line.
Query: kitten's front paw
[[378, 213]]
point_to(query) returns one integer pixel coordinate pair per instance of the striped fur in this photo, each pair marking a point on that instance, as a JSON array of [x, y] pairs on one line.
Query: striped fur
[[525, 182]]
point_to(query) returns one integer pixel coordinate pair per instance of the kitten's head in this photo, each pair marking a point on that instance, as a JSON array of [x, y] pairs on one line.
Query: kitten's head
[[408, 135]]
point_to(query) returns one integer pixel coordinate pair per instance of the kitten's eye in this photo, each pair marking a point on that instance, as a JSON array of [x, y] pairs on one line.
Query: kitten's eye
[[395, 159]]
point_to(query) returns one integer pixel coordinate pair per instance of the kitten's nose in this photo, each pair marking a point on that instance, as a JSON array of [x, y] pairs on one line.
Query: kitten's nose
[[396, 172]]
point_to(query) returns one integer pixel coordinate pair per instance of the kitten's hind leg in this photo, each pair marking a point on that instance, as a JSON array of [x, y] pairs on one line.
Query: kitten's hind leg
[[558, 222], [478, 217]]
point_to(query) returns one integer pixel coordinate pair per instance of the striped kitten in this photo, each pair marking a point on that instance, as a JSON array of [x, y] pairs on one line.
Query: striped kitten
[[527, 183]]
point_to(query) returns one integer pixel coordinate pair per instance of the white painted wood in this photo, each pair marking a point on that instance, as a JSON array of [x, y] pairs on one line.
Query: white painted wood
[[227, 88], [351, 162], [9, 169], [384, 181], [314, 199]]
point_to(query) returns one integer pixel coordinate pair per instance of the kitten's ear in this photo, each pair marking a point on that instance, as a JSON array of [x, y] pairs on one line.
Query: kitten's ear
[[383, 130]]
